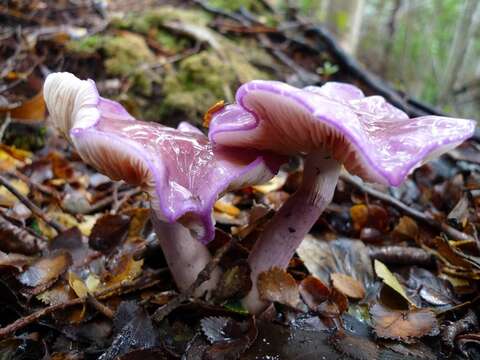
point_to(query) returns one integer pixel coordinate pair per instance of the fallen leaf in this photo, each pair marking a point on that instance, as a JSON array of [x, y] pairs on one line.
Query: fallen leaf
[[313, 292], [7, 199], [57, 294], [226, 207], [390, 279], [403, 325], [321, 258], [407, 227], [274, 184], [359, 214], [45, 271], [109, 232], [276, 285], [77, 285], [348, 286], [32, 109]]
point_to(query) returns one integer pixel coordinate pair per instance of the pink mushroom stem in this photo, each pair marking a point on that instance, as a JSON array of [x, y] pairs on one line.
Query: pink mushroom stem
[[284, 233], [185, 255]]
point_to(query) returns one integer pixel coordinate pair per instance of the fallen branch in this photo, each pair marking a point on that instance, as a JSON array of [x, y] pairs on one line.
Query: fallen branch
[[419, 215], [117, 289], [203, 276], [33, 208]]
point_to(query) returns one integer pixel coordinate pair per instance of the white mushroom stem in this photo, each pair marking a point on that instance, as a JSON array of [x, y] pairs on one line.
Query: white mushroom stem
[[185, 255], [284, 233]]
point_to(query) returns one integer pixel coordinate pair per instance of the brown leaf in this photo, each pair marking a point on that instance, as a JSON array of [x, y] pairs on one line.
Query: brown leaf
[[348, 286], [109, 232], [45, 271], [32, 109], [403, 325], [359, 214], [276, 285], [61, 167], [406, 227], [313, 292]]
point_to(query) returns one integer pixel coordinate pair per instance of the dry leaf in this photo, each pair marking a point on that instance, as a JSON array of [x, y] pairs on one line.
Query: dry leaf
[[407, 227], [226, 207], [403, 325], [45, 271], [109, 232], [391, 280], [32, 109], [77, 285], [348, 286], [359, 214], [7, 199], [276, 183], [276, 285]]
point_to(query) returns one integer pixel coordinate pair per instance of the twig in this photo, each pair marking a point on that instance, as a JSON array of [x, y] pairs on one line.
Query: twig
[[203, 276], [6, 123], [419, 215], [33, 208], [99, 205], [101, 294], [105, 310]]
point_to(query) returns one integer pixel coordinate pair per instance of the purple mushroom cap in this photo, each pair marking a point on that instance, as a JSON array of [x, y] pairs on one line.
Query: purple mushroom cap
[[372, 138], [179, 168]]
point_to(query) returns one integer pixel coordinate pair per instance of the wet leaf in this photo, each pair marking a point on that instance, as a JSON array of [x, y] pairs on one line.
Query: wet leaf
[[431, 289], [213, 328], [109, 232], [71, 240], [313, 292], [133, 330], [276, 285], [57, 294], [403, 325], [322, 258], [406, 227], [45, 271], [355, 347], [390, 279], [348, 286]]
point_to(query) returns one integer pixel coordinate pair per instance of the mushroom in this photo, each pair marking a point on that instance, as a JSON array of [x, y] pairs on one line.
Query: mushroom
[[179, 168], [331, 126]]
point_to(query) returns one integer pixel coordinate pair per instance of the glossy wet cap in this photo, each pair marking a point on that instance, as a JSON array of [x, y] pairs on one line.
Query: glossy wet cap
[[372, 138], [179, 168]]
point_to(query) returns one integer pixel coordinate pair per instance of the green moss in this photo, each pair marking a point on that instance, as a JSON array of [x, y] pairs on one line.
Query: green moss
[[199, 82], [126, 56], [235, 5], [86, 46]]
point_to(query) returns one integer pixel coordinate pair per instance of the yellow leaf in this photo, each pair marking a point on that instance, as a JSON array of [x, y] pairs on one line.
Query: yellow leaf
[[276, 183], [87, 224], [92, 282], [227, 208], [77, 285], [7, 198], [389, 279]]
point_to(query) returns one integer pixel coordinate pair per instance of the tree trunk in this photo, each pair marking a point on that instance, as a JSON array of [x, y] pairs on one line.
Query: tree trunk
[[458, 49]]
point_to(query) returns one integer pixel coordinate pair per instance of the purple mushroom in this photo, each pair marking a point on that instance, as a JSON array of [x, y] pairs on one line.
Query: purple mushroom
[[331, 126], [178, 168]]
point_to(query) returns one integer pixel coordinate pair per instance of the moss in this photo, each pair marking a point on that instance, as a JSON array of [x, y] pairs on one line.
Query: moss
[[152, 23], [126, 55], [86, 46], [200, 81], [235, 5]]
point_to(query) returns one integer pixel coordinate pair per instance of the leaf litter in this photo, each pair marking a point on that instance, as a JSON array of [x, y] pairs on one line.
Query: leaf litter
[[82, 270]]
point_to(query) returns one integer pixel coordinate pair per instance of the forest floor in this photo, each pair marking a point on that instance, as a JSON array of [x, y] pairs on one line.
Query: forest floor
[[387, 273]]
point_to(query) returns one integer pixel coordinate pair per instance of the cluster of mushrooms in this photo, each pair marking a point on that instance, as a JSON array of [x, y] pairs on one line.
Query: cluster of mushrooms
[[184, 172]]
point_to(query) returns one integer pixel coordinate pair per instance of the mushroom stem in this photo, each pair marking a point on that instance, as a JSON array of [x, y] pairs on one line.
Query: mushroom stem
[[284, 233], [186, 257]]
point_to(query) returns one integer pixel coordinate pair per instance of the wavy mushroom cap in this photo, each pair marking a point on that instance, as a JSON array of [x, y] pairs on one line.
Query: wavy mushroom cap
[[372, 138], [179, 168]]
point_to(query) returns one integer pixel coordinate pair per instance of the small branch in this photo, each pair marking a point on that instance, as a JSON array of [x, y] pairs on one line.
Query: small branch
[[33, 208], [105, 310], [116, 289], [99, 205], [419, 215], [6, 123], [203, 276]]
